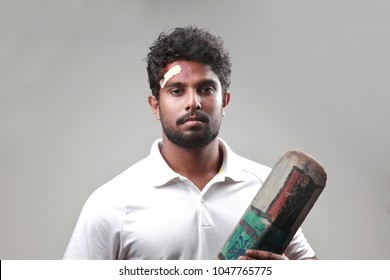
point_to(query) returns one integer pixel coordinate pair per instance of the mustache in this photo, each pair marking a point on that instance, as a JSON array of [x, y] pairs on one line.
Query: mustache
[[200, 116]]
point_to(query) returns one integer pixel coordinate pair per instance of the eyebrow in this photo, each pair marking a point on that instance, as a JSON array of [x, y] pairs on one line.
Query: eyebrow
[[201, 83], [208, 82], [176, 84]]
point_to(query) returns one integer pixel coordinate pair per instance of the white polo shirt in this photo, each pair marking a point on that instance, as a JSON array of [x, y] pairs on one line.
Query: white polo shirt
[[151, 212]]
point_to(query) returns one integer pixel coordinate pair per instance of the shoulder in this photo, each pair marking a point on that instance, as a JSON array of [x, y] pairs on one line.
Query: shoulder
[[260, 170], [125, 181], [133, 182], [236, 162]]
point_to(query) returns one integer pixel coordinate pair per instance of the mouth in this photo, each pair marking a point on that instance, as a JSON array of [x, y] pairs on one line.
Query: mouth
[[193, 118]]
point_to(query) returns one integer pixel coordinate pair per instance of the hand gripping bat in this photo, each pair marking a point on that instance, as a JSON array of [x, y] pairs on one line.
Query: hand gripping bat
[[279, 207]]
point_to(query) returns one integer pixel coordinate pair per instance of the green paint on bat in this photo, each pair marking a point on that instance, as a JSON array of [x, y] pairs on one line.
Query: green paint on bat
[[247, 232]]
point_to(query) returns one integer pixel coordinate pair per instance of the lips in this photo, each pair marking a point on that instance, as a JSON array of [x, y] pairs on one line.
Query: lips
[[192, 119], [195, 117]]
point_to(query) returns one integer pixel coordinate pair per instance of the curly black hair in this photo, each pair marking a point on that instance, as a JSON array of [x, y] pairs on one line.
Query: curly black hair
[[187, 43]]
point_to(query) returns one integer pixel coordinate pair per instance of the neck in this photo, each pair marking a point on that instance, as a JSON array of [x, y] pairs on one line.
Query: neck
[[197, 164]]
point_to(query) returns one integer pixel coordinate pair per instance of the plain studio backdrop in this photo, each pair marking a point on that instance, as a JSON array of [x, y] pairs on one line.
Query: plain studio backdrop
[[307, 75]]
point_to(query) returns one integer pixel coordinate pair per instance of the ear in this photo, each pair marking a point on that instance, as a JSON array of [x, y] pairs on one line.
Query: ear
[[153, 102], [225, 102]]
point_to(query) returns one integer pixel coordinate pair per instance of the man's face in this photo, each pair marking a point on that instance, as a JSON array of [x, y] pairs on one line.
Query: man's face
[[191, 104]]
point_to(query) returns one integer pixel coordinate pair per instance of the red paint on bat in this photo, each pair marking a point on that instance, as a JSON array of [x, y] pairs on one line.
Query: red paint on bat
[[295, 178]]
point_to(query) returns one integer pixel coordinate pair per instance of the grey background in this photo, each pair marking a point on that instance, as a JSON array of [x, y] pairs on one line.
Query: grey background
[[307, 75]]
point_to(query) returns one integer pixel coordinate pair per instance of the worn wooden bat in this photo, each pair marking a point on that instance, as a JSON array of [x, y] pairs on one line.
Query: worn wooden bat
[[279, 207]]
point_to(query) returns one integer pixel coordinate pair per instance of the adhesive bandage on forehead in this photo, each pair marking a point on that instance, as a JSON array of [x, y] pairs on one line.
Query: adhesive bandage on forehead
[[169, 74]]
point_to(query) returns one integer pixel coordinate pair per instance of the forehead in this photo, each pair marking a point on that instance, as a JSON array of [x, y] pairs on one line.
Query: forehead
[[191, 70]]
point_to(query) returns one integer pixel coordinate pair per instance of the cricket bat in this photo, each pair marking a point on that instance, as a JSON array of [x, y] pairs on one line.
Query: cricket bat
[[279, 207]]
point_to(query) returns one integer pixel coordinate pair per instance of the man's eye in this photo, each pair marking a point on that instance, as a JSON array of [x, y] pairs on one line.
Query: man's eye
[[207, 90], [176, 91]]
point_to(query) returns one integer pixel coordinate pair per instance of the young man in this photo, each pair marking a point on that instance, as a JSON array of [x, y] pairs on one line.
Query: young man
[[185, 198]]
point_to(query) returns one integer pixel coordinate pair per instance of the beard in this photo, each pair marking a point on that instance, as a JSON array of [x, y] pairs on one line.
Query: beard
[[196, 138]]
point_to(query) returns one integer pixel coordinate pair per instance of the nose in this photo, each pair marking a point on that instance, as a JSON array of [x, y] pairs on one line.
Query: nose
[[193, 101]]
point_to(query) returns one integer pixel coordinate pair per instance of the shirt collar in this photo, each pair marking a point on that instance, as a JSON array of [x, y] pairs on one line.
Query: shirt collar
[[231, 167], [163, 174]]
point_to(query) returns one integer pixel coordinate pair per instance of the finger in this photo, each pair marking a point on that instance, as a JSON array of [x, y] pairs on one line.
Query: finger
[[264, 255], [245, 258]]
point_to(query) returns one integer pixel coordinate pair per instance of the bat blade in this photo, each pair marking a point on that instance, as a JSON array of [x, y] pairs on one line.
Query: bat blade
[[279, 208]]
